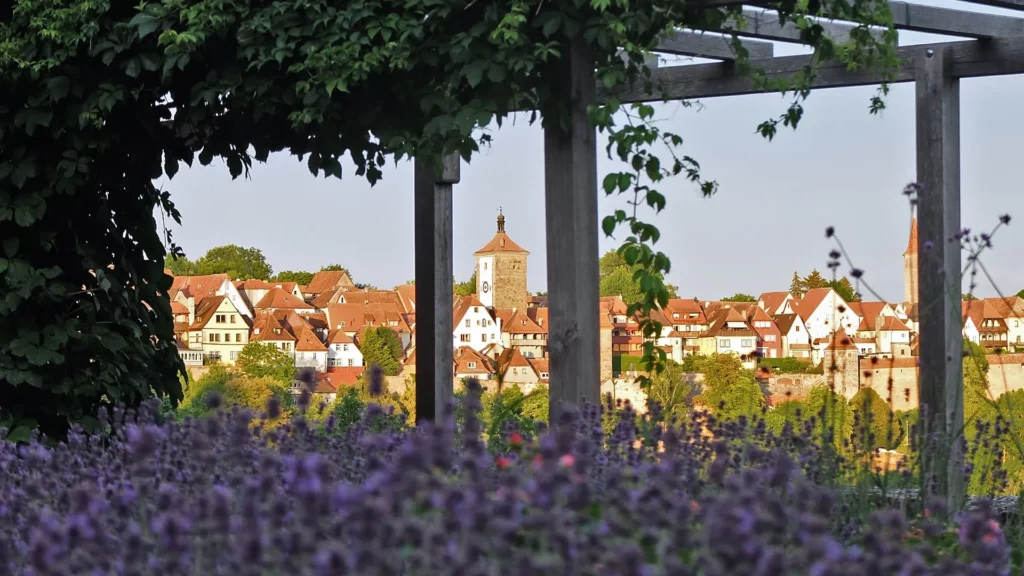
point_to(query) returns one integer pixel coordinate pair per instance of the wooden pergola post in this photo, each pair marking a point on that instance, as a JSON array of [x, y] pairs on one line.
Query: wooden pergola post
[[570, 201], [433, 233], [941, 390]]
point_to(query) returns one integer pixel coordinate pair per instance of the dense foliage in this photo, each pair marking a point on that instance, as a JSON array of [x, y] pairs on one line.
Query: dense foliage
[[100, 98], [790, 366], [381, 346], [874, 422], [265, 360], [219, 495]]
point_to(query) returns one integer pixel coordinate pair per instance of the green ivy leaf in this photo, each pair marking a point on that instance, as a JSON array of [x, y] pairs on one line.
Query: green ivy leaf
[[474, 72], [144, 24], [608, 225], [3, 265], [610, 182], [11, 246], [58, 87], [20, 434]]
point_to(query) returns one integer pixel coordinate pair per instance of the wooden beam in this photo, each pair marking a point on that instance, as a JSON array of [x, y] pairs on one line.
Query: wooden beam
[[971, 58], [711, 45], [1007, 4], [941, 390], [954, 22], [765, 25], [570, 199], [433, 233]]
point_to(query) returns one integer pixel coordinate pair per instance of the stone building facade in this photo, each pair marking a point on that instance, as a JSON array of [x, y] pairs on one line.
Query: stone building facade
[[501, 272]]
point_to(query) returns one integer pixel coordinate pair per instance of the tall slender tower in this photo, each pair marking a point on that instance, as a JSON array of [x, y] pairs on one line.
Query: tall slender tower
[[501, 271], [910, 266]]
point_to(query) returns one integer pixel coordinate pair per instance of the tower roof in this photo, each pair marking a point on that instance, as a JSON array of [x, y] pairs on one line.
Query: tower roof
[[912, 243], [501, 242]]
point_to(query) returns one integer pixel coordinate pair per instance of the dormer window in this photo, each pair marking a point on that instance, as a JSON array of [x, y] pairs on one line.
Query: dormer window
[[277, 330], [472, 364]]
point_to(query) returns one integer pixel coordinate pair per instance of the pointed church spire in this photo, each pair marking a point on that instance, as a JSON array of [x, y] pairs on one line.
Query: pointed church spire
[[501, 221], [912, 243]]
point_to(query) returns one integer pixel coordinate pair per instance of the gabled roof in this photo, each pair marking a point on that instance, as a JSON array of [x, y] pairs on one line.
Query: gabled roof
[[811, 301], [868, 312], [462, 306], [266, 328], [198, 287], [512, 358], [785, 322], [539, 315], [890, 323], [178, 308], [328, 280], [339, 337], [279, 299], [464, 355], [253, 285], [351, 314], [307, 341], [520, 323], [205, 311], [773, 300], [542, 366], [407, 294]]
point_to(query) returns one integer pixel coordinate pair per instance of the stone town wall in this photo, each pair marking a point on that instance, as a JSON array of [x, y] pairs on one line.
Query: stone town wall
[[779, 388], [510, 281]]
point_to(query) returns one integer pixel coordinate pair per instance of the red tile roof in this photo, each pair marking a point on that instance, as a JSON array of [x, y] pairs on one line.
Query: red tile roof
[[539, 315], [501, 243], [407, 294], [345, 375], [464, 355], [893, 323], [339, 337], [462, 305], [198, 287], [205, 311], [178, 308], [279, 299], [841, 341], [542, 366], [351, 315], [307, 341], [328, 280], [772, 300], [266, 328]]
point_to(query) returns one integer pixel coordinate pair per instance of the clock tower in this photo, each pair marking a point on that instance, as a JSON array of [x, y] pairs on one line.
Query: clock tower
[[501, 271]]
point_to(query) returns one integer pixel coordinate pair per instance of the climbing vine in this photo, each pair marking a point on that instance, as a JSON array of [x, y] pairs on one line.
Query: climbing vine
[[102, 97]]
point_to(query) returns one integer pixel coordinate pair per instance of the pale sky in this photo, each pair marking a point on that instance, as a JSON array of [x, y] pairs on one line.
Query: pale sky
[[842, 167]]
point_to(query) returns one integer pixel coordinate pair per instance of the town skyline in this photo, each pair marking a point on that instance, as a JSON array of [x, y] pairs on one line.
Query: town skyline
[[842, 167]]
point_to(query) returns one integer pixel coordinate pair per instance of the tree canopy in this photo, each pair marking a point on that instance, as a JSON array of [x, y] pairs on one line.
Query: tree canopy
[[265, 360], [298, 277], [674, 390], [237, 262], [617, 278], [466, 288], [799, 286], [380, 345], [180, 266], [101, 99], [739, 297], [729, 390], [875, 424]]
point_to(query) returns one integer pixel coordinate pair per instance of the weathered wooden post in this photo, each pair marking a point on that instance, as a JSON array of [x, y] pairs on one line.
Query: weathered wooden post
[[941, 390], [433, 233], [570, 200]]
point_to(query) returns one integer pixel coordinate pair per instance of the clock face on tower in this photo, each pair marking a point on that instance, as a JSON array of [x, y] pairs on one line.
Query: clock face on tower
[[485, 287]]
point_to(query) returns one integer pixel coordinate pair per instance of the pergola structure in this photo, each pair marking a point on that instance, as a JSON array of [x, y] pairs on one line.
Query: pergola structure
[[990, 45]]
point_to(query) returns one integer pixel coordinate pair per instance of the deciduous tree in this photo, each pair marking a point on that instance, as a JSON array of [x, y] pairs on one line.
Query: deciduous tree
[[875, 425], [180, 266], [299, 277], [739, 297], [729, 390], [264, 360], [466, 288], [674, 390], [237, 262]]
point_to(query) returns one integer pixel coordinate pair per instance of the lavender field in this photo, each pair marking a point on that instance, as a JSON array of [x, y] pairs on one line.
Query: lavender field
[[602, 492]]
